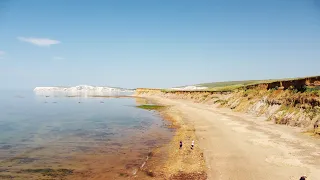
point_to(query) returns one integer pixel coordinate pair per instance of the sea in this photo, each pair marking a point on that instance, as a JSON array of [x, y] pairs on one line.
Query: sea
[[56, 136]]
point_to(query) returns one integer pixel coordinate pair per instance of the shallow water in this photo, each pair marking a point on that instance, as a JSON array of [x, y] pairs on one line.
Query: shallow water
[[94, 138]]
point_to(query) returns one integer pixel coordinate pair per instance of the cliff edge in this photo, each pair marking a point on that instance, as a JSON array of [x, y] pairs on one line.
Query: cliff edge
[[293, 102]]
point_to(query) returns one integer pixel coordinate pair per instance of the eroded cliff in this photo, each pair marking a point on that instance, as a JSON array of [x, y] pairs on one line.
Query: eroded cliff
[[291, 102]]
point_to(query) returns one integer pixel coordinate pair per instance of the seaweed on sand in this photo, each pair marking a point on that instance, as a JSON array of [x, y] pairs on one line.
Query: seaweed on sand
[[150, 107], [3, 176], [189, 176], [50, 172]]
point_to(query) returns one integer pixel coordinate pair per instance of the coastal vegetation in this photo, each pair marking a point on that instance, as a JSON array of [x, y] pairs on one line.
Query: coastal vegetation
[[150, 107], [50, 172]]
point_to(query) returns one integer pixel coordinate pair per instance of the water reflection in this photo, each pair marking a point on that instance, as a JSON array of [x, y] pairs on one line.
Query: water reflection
[[83, 94], [91, 138]]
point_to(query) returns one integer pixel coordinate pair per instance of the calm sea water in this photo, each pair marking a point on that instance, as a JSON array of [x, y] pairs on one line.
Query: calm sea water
[[44, 129]]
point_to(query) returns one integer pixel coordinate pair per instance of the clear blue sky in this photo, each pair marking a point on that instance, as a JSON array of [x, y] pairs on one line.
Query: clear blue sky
[[156, 43]]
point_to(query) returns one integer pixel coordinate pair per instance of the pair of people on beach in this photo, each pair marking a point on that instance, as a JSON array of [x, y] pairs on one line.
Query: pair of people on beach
[[192, 144], [303, 178]]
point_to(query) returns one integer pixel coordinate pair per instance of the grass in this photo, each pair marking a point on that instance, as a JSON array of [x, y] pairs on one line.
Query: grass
[[228, 84], [216, 89], [227, 88], [313, 90], [150, 107]]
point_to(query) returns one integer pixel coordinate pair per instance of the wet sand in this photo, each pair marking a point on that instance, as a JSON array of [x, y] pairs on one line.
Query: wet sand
[[238, 146], [169, 161]]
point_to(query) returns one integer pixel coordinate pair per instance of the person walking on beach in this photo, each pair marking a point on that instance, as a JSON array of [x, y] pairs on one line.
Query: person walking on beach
[[180, 144], [303, 178], [192, 144]]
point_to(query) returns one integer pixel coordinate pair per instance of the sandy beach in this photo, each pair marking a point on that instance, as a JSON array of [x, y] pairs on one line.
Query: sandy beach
[[238, 146]]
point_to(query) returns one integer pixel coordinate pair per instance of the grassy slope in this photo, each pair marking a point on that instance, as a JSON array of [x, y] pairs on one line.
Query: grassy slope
[[231, 85], [227, 83]]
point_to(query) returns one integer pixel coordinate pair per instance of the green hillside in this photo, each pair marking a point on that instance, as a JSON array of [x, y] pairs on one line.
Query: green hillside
[[228, 83], [231, 85]]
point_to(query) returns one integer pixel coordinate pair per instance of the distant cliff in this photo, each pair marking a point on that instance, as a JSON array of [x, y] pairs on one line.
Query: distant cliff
[[82, 90]]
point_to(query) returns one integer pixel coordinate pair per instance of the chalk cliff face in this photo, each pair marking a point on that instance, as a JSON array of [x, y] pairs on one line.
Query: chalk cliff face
[[189, 88], [82, 89]]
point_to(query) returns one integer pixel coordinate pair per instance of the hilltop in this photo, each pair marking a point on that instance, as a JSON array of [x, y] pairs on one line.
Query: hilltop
[[234, 85]]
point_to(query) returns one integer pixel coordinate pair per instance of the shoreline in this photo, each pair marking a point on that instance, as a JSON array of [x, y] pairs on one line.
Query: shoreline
[[241, 146], [170, 162]]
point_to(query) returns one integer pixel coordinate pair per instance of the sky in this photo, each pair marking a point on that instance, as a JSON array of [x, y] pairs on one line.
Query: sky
[[156, 43]]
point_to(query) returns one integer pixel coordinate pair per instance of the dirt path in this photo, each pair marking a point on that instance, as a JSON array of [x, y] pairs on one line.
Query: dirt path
[[242, 147]]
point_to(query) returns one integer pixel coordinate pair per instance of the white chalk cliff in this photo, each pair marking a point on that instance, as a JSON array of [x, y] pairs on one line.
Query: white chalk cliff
[[190, 88], [82, 88], [92, 90]]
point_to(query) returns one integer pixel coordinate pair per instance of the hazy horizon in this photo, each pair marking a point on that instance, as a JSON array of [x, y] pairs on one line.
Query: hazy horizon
[[156, 44]]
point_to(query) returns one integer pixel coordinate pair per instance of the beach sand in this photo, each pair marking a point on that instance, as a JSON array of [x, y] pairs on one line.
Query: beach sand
[[169, 161], [237, 146]]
